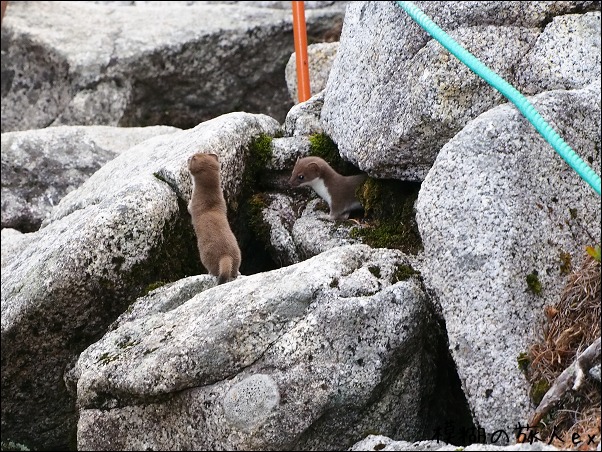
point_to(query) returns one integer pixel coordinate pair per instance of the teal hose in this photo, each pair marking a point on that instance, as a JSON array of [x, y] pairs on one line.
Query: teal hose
[[511, 93]]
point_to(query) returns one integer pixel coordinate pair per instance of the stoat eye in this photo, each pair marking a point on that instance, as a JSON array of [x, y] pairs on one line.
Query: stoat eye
[[300, 176]]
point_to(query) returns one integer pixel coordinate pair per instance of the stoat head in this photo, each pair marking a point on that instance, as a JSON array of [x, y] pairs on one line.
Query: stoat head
[[202, 163], [305, 171]]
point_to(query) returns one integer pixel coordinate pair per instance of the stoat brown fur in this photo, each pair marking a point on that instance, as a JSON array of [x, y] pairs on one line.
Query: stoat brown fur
[[218, 247], [337, 190]]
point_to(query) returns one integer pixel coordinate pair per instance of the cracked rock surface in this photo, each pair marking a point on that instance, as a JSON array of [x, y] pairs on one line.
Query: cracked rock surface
[[265, 361]]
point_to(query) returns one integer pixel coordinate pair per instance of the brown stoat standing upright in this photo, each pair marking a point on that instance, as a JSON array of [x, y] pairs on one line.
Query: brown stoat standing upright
[[217, 244], [338, 191]]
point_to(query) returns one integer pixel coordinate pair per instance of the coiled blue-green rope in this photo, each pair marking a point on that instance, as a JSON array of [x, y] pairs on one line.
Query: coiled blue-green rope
[[511, 93]]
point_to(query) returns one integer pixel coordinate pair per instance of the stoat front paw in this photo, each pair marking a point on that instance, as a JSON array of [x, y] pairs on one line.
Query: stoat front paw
[[339, 217]]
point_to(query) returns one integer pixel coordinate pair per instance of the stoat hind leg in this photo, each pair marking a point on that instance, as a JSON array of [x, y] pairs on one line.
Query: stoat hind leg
[[340, 216], [225, 269]]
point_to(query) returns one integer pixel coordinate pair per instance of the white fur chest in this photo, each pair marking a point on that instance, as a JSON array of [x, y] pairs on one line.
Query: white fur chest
[[320, 188], [192, 191]]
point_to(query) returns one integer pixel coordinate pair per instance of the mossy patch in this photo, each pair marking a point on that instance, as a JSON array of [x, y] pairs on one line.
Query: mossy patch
[[565, 263], [153, 286], [126, 343], [388, 204], [260, 153], [160, 177], [594, 252], [389, 209], [10, 445], [252, 233], [106, 358], [533, 282], [523, 362], [260, 228], [538, 390], [374, 270], [404, 272], [321, 145]]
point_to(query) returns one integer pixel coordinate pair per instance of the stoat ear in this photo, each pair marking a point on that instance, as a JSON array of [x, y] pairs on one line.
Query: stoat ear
[[213, 156], [314, 167]]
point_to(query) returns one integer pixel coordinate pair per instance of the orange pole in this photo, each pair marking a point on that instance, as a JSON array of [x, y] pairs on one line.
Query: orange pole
[[300, 35], [3, 9]]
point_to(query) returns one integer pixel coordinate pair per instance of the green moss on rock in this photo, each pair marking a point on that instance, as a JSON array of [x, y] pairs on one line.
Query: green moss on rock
[[565, 263], [160, 177], [10, 445], [258, 226], [389, 207], [404, 272], [374, 270], [321, 145], [252, 233], [260, 153], [127, 343], [538, 390], [533, 282], [153, 286], [523, 362], [106, 358]]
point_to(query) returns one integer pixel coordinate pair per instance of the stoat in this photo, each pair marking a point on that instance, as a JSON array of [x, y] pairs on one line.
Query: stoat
[[218, 247], [338, 191]]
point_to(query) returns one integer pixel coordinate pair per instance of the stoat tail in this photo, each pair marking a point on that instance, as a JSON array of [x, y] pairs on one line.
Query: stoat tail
[[225, 269]]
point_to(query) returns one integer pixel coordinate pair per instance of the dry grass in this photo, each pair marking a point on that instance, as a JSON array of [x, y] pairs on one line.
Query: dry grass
[[572, 325]]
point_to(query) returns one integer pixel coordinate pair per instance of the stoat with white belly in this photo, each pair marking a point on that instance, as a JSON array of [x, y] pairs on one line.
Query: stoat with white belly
[[337, 190]]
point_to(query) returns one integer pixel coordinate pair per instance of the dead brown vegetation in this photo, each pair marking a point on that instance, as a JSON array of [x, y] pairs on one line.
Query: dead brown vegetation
[[571, 326]]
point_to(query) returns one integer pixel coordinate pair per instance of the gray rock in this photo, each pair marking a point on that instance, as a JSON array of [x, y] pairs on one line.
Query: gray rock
[[250, 402], [39, 167], [165, 159], [498, 205], [286, 5], [107, 102], [314, 234], [279, 217], [125, 228], [286, 151], [304, 118], [294, 228], [165, 298], [265, 4], [395, 96], [594, 372], [566, 55], [319, 59], [13, 242], [379, 442], [275, 361], [187, 65]]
